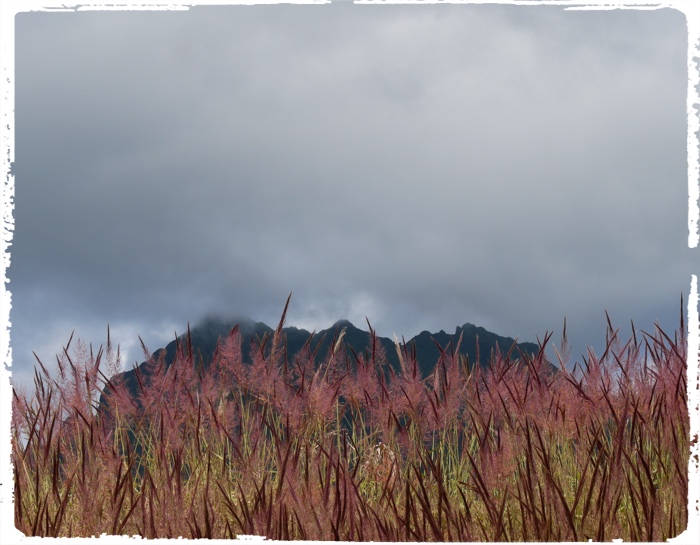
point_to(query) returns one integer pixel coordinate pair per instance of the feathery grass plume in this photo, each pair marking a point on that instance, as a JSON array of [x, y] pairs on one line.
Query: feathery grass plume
[[509, 451], [411, 403]]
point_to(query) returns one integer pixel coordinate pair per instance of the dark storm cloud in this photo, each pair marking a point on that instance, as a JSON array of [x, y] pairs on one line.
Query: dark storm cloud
[[423, 166]]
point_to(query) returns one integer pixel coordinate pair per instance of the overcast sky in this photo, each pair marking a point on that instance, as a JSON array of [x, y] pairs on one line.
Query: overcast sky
[[424, 166]]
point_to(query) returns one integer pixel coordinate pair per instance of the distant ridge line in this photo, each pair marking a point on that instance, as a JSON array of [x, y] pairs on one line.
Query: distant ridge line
[[207, 333]]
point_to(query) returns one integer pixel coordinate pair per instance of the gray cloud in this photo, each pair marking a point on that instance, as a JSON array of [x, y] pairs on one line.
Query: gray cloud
[[423, 166]]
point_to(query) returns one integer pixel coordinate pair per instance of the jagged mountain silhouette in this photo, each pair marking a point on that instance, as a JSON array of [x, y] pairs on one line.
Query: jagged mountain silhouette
[[205, 336]]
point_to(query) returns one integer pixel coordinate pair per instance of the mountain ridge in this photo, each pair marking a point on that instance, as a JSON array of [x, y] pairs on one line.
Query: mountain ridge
[[205, 337]]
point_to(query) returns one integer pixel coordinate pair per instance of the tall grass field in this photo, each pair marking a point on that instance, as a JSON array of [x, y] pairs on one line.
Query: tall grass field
[[354, 450]]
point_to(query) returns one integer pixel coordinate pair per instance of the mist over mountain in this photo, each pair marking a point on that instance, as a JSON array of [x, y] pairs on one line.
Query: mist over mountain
[[205, 336]]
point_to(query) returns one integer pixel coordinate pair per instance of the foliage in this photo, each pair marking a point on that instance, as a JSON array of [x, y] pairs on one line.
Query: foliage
[[345, 450]]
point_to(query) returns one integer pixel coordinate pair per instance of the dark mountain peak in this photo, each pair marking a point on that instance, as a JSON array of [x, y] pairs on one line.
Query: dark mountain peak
[[206, 335], [212, 327], [343, 323]]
